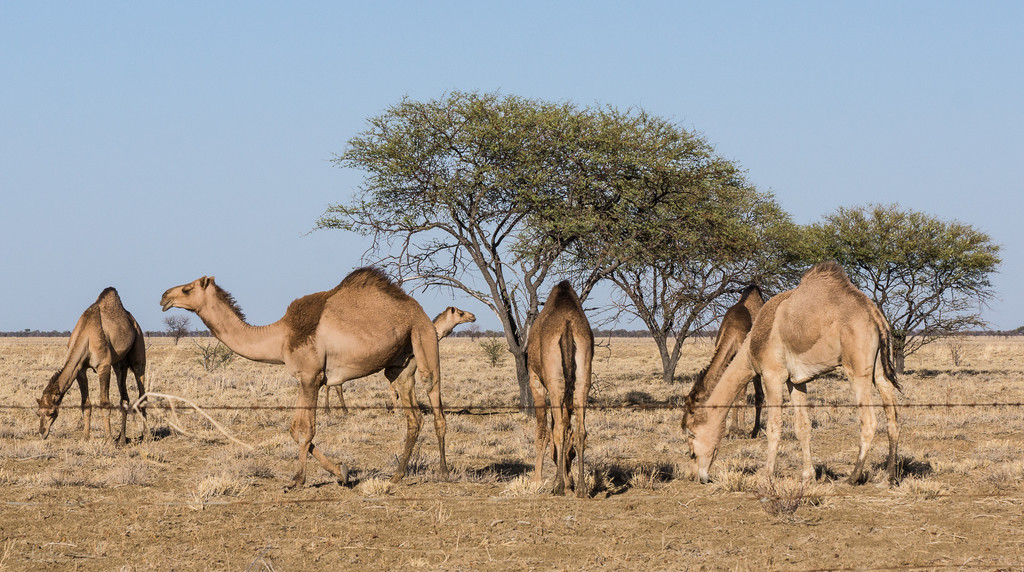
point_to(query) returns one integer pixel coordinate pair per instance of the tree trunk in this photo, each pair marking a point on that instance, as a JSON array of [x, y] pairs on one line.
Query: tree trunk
[[899, 353], [523, 378], [669, 360]]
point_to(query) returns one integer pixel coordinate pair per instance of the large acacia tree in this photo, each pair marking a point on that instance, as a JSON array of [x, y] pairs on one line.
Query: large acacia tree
[[487, 194], [928, 276]]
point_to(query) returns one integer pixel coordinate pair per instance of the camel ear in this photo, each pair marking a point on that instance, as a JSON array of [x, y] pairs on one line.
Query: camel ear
[[205, 281]]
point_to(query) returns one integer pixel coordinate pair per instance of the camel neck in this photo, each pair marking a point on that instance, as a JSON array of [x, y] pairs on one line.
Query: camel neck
[[258, 343]]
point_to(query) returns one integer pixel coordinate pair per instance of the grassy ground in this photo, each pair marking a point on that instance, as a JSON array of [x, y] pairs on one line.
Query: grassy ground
[[196, 500]]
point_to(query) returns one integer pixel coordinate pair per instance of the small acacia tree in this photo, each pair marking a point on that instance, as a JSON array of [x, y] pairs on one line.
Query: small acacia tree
[[928, 276], [723, 239], [177, 326], [486, 194]]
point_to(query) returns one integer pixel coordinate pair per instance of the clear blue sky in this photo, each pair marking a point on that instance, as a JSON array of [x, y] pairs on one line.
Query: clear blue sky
[[144, 144]]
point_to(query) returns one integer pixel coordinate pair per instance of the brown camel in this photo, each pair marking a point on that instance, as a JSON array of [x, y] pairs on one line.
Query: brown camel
[[560, 349], [736, 325], [364, 325], [105, 338], [822, 324], [444, 323]]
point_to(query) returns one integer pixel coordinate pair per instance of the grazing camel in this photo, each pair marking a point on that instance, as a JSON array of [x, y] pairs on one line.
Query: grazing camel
[[364, 325], [106, 337], [444, 323], [560, 349], [822, 324], [735, 326]]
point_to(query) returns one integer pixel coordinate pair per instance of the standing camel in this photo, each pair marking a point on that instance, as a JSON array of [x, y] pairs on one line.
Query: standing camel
[[444, 323], [560, 349], [364, 325], [106, 337], [735, 326], [823, 323]]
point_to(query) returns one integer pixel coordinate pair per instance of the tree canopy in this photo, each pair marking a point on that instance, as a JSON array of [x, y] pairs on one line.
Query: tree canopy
[[928, 276], [494, 195]]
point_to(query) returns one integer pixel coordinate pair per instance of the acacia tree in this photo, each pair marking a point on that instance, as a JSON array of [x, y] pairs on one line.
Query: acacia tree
[[486, 193], [929, 277], [177, 326]]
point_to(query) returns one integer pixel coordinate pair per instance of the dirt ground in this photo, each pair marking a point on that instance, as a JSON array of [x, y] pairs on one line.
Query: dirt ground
[[195, 500]]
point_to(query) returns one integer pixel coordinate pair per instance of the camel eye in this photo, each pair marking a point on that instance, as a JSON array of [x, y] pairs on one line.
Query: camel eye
[[186, 289]]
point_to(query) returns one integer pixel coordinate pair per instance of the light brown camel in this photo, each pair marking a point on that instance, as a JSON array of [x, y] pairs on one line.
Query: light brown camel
[[822, 324], [735, 326], [364, 325], [444, 323], [106, 337], [560, 349]]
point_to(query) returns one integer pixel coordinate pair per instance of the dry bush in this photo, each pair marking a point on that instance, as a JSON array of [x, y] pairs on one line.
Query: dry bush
[[376, 487], [132, 472], [522, 486]]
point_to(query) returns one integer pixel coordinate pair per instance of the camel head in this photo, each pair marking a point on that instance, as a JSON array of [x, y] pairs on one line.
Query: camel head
[[191, 296], [460, 316], [47, 410], [446, 321], [702, 446]]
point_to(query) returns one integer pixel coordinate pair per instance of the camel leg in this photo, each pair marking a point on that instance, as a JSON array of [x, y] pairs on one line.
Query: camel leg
[[341, 398], [121, 373], [103, 372], [868, 422], [773, 397], [583, 381], [802, 424], [140, 385], [540, 408], [303, 430], [83, 388], [560, 436], [888, 395], [738, 413], [403, 382], [440, 425], [758, 405]]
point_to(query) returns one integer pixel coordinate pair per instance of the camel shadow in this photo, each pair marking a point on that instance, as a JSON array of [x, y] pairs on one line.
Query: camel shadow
[[502, 471], [615, 479]]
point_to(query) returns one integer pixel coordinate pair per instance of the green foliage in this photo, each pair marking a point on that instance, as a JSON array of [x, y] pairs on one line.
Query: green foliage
[[495, 195], [493, 348], [929, 277]]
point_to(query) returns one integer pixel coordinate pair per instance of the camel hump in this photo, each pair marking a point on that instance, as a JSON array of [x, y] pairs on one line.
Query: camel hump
[[829, 270], [373, 277], [109, 298]]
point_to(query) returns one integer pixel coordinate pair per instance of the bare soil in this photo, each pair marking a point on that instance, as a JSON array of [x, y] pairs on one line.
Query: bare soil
[[195, 500]]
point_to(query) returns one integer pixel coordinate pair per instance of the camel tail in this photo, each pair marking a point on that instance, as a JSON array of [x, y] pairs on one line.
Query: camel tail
[[885, 348], [567, 343]]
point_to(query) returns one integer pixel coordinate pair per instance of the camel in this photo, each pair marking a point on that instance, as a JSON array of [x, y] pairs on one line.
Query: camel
[[735, 326], [824, 323], [106, 337], [560, 349], [444, 323], [364, 325]]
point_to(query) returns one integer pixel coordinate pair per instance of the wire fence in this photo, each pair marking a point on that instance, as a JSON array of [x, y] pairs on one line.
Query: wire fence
[[492, 408]]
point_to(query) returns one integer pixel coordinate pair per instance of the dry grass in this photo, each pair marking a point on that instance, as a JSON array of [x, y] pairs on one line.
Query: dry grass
[[645, 508]]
